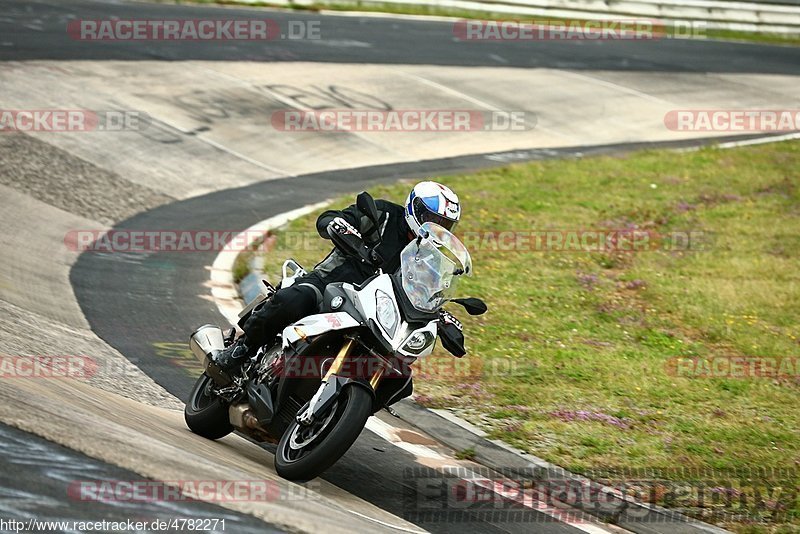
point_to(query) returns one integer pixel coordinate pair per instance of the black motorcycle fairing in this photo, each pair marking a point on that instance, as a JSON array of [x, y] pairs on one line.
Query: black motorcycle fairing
[[260, 399], [334, 387], [336, 290], [391, 390], [319, 347]]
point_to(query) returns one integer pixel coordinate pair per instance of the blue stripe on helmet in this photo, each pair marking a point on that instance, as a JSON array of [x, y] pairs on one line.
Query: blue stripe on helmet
[[432, 203]]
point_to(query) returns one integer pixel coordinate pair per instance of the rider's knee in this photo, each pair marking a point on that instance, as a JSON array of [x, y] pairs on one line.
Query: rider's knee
[[299, 300]]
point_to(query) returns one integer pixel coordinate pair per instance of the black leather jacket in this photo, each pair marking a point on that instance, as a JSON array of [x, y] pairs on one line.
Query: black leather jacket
[[336, 267]]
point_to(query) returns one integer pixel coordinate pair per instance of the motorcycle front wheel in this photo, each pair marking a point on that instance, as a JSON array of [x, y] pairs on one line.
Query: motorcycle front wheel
[[206, 414], [304, 452]]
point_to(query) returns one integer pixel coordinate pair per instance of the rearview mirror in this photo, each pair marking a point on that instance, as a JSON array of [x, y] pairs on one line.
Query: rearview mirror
[[366, 205], [474, 306]]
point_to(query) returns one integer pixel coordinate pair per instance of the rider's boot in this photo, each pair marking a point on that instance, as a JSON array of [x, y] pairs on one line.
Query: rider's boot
[[233, 357]]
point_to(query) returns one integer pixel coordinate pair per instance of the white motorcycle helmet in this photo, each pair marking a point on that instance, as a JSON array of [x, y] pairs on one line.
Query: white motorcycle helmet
[[432, 202]]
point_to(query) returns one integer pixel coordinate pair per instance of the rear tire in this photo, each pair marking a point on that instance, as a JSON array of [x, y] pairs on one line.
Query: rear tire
[[206, 415], [354, 406]]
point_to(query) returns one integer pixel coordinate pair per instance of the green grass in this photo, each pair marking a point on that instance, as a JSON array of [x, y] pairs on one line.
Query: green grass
[[465, 454], [572, 360], [241, 266], [413, 9]]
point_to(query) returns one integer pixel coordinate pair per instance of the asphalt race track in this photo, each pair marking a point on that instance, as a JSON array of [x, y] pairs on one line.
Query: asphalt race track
[[390, 41], [143, 306], [51, 469]]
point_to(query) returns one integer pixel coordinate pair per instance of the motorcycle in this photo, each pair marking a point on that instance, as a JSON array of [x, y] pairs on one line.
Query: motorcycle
[[312, 390]]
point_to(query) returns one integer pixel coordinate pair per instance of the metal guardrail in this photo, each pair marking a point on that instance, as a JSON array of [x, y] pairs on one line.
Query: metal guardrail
[[717, 13], [775, 16]]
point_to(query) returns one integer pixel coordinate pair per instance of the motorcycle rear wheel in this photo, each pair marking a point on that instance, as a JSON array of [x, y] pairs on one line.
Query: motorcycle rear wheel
[[353, 408], [206, 415]]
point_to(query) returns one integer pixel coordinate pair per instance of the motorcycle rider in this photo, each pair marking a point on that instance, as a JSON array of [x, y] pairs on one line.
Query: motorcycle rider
[[397, 225]]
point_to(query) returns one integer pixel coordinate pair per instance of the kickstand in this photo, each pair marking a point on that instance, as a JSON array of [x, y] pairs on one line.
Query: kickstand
[[391, 411]]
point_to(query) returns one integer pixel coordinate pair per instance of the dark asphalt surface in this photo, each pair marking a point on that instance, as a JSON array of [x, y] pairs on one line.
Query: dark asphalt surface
[[141, 304], [37, 29], [38, 480]]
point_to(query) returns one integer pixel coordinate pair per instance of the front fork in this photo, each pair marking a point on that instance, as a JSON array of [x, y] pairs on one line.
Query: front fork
[[332, 384]]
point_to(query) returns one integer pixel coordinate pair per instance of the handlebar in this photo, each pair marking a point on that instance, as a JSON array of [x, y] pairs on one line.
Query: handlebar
[[349, 241]]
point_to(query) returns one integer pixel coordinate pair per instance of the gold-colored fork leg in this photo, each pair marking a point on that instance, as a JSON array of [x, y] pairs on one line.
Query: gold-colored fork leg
[[376, 378], [337, 363]]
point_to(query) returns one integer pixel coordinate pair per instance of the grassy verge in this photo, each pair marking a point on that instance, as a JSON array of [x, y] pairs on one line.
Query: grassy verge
[[413, 9], [575, 362]]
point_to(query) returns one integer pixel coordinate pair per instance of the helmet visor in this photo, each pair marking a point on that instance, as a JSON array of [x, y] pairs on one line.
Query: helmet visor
[[424, 214]]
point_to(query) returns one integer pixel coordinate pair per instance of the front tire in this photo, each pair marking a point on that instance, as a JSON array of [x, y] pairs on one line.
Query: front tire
[[206, 415], [353, 408]]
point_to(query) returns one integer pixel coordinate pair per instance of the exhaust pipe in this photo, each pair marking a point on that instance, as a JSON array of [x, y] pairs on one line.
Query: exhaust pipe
[[243, 419], [205, 342]]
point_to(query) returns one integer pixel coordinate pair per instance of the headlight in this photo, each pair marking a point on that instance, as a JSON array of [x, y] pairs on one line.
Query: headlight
[[418, 342], [387, 316]]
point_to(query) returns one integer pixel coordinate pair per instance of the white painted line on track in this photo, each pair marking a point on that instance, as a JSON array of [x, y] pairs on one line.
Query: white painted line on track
[[453, 92], [476, 101], [276, 170], [617, 87], [747, 142], [383, 523], [760, 140]]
